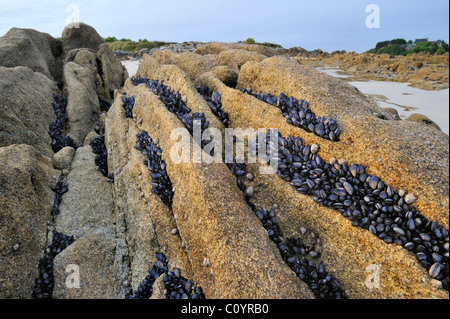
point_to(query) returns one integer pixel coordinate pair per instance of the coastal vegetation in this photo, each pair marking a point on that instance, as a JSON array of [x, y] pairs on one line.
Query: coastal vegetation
[[402, 47]]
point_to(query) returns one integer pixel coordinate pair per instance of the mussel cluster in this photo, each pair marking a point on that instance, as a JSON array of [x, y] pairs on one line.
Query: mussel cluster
[[175, 104], [319, 281], [44, 284], [299, 114], [162, 186], [60, 189], [56, 129], [128, 104], [366, 201], [298, 256], [215, 104], [99, 148], [176, 286], [104, 105], [237, 169], [322, 284]]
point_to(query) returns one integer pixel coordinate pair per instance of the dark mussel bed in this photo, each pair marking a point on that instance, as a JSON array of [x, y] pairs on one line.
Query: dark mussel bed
[[298, 113], [365, 200], [60, 189], [319, 281], [176, 286], [56, 128], [162, 186], [174, 103], [44, 284], [99, 148]]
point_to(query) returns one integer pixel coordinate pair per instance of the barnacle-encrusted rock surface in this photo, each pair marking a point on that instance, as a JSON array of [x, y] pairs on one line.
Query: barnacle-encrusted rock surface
[[124, 211]]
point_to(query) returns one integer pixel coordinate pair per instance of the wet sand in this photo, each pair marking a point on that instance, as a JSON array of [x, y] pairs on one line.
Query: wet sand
[[405, 99]]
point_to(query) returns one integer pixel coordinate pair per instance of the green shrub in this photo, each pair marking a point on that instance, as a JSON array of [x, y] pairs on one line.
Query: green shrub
[[393, 49], [110, 39], [250, 41], [441, 50]]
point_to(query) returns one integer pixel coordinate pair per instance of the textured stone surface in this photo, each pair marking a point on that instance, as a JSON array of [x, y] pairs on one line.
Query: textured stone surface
[[177, 79], [226, 74], [422, 119], [83, 109], [36, 50], [421, 70], [393, 112], [237, 58], [113, 72], [148, 221], [63, 159], [88, 205], [191, 63], [209, 232], [26, 199], [217, 47], [93, 256], [81, 35], [26, 109]]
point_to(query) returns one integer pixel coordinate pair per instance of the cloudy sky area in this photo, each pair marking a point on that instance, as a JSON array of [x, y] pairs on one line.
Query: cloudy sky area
[[326, 24]]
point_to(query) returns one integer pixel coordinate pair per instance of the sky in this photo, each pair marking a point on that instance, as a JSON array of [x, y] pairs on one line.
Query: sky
[[311, 24]]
